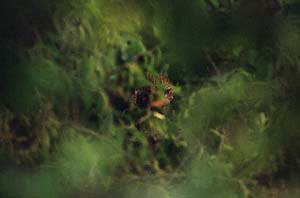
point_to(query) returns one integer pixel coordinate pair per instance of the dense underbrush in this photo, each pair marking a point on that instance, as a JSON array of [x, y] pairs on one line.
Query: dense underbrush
[[149, 99]]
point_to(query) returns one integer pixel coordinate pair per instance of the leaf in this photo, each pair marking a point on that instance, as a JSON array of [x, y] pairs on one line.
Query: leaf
[[215, 3]]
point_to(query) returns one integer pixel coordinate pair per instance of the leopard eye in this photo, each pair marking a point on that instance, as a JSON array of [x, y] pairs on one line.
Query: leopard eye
[[168, 90], [169, 93]]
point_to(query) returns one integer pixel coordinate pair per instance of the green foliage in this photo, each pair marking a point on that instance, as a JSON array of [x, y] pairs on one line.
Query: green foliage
[[211, 177], [233, 94], [89, 164]]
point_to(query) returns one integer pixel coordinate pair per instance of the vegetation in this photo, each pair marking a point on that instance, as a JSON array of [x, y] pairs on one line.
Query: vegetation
[[168, 98]]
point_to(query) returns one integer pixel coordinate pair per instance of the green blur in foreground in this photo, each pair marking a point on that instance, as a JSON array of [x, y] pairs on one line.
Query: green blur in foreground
[[79, 167]]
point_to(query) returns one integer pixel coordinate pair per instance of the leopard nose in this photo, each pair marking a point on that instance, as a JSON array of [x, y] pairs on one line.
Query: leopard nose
[[159, 103]]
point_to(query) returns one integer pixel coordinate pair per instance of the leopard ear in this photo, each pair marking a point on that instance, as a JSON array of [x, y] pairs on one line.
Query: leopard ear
[[169, 92], [164, 79]]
